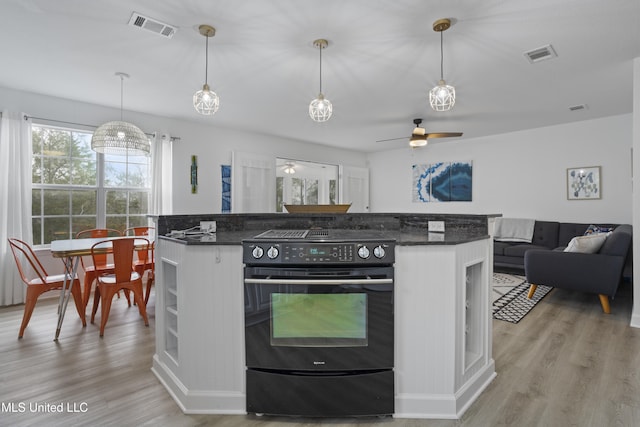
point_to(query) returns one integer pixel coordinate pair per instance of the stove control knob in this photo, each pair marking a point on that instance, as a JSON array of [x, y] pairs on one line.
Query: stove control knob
[[257, 252], [379, 252], [363, 252], [272, 252]]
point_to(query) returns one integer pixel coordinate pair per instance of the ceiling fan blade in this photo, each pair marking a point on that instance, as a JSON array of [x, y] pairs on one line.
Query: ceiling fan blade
[[391, 139], [443, 134]]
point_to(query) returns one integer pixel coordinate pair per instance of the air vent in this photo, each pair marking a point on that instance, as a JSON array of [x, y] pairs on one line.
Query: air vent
[[153, 25], [579, 107], [540, 54]]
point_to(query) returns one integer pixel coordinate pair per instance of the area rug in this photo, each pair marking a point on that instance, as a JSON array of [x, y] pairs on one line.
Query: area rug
[[510, 302]]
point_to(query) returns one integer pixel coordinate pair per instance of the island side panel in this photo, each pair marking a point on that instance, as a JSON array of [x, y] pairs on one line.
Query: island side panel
[[206, 372], [432, 380]]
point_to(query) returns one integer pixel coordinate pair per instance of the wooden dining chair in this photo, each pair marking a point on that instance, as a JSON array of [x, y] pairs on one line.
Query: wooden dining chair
[[142, 266], [100, 263], [123, 277], [38, 281]]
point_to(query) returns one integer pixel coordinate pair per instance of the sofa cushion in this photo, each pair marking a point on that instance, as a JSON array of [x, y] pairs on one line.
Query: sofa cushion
[[545, 234], [519, 250], [589, 244], [618, 241], [498, 247]]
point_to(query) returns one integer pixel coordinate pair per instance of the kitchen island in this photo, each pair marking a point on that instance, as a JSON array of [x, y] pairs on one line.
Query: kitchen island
[[443, 356]]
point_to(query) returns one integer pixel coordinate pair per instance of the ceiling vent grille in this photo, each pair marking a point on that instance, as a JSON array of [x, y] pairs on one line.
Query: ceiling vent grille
[[578, 107], [540, 54], [153, 25]]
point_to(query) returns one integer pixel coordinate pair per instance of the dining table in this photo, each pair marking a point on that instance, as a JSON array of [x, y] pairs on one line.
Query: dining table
[[70, 251]]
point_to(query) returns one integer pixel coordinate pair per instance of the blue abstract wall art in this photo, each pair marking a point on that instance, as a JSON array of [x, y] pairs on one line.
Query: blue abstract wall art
[[443, 182], [225, 171]]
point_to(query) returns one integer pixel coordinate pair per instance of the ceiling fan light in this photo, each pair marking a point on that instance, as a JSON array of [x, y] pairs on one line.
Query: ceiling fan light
[[205, 101], [289, 168], [320, 109], [417, 141], [442, 97]]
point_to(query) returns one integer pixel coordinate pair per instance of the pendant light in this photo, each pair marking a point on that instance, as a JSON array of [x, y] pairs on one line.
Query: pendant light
[[206, 101], [443, 96], [120, 137], [320, 109]]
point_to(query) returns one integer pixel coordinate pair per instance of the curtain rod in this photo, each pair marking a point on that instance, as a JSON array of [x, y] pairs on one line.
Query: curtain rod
[[173, 138]]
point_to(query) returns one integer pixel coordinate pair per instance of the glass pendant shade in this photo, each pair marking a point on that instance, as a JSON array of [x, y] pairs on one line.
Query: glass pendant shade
[[205, 101], [320, 109], [120, 137], [442, 97]]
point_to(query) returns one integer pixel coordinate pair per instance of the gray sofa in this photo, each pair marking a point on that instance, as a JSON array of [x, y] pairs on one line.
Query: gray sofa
[[547, 236], [598, 273]]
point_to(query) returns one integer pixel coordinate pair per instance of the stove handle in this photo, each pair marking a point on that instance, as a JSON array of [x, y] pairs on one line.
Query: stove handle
[[318, 281]]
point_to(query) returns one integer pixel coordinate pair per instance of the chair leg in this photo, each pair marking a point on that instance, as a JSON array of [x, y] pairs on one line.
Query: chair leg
[[142, 307], [30, 303], [107, 298], [77, 299], [604, 302], [88, 283], [96, 301], [150, 280], [532, 290]]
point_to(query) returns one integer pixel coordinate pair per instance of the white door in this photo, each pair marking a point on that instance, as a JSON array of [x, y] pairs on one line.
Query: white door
[[253, 182], [354, 188]]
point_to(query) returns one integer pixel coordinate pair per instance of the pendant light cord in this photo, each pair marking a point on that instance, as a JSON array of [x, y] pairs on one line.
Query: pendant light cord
[[206, 61], [320, 68], [441, 58], [121, 96]]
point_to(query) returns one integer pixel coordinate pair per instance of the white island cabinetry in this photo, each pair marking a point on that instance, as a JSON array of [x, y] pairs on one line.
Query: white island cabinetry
[[199, 326], [442, 332]]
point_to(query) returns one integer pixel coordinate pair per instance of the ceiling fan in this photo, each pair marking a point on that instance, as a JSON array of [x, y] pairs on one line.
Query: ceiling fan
[[419, 136]]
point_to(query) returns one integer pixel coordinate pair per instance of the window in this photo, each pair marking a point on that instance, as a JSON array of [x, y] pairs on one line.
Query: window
[[75, 188]]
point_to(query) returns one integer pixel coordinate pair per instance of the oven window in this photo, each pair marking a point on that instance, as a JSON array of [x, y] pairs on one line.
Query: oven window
[[319, 320]]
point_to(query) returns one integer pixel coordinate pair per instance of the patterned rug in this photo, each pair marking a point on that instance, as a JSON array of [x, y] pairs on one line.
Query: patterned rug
[[510, 302]]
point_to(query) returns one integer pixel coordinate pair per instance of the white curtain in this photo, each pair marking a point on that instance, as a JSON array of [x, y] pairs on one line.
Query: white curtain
[[161, 173], [15, 200]]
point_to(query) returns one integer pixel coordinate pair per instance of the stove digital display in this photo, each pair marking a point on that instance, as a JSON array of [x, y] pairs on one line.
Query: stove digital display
[[317, 251]]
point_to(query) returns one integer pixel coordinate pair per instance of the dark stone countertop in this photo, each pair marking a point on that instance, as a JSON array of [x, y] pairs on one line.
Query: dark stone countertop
[[402, 238]]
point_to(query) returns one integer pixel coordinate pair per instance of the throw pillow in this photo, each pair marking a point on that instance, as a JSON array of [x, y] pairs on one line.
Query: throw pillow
[[587, 244], [595, 229]]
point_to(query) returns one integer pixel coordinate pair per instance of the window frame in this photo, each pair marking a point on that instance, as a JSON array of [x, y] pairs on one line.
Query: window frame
[[99, 187]]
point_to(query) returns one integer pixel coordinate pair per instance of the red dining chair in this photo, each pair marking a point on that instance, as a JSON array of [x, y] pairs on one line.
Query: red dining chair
[[38, 281], [123, 277], [100, 263], [141, 266]]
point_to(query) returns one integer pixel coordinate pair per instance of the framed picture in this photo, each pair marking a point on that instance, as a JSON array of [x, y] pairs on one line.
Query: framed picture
[[584, 183]]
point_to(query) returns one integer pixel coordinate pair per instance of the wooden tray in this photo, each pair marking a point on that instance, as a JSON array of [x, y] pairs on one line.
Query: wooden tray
[[317, 208]]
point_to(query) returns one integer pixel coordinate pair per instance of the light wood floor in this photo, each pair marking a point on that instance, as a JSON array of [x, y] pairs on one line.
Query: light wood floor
[[564, 364]]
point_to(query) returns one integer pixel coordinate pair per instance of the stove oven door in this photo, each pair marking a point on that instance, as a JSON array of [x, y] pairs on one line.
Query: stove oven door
[[319, 319]]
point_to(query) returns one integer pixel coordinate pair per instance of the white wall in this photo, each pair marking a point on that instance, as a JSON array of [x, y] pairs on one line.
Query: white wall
[[520, 174], [213, 145], [635, 315]]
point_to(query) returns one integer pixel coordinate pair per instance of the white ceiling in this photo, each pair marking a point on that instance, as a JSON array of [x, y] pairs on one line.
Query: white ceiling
[[382, 59]]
